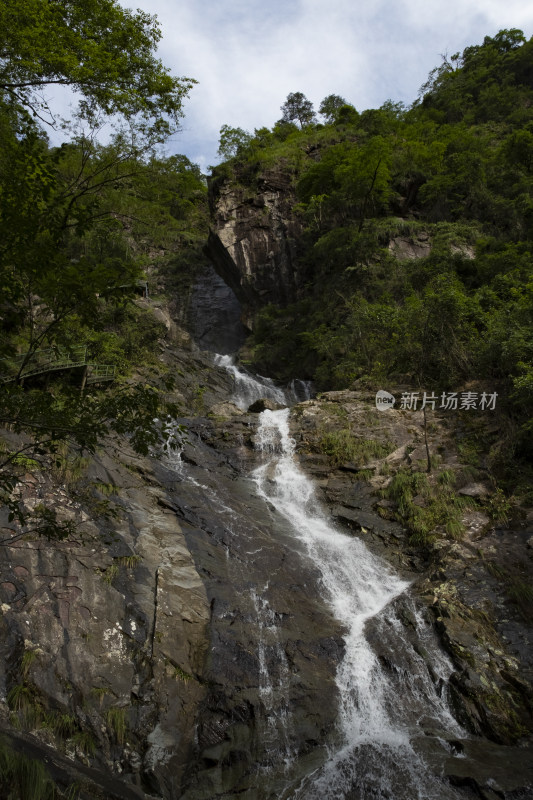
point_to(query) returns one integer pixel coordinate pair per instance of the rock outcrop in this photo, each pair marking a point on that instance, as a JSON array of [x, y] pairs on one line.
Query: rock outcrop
[[136, 657], [253, 242], [104, 637], [215, 314]]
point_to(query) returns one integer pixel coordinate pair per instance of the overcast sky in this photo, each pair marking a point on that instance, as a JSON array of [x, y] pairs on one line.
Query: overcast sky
[[247, 55]]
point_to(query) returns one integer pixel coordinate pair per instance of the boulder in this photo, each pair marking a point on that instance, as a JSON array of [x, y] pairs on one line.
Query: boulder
[[264, 404]]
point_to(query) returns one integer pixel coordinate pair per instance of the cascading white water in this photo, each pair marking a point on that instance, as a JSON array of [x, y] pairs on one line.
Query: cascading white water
[[249, 388], [373, 757]]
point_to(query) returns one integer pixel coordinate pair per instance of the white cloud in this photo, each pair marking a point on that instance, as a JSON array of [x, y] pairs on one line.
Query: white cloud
[[248, 55]]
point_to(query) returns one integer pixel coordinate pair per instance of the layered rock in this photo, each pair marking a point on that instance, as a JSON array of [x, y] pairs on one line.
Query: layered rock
[[104, 637], [253, 241]]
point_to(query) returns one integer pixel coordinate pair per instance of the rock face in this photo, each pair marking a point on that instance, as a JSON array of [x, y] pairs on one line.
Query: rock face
[[215, 314], [151, 655], [104, 637], [253, 243], [273, 643], [180, 646]]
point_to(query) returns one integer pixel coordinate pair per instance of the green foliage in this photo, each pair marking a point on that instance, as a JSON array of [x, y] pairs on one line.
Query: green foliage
[[56, 419], [180, 674], [85, 741], [331, 106], [98, 48], [26, 706], [416, 251], [23, 777], [342, 446], [28, 658], [79, 225], [425, 505], [232, 140], [297, 108], [116, 724], [110, 573], [130, 562], [63, 725], [499, 506], [100, 692]]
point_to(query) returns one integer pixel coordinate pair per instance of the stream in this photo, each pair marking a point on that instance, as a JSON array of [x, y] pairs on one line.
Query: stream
[[319, 671]]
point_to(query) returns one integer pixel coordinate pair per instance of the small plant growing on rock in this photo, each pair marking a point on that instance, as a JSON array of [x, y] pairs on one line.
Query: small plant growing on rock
[[343, 447], [25, 777], [106, 489], [499, 506], [111, 573], [180, 673], [100, 692], [116, 724], [23, 701], [27, 660], [63, 725], [130, 562], [85, 742], [425, 504]]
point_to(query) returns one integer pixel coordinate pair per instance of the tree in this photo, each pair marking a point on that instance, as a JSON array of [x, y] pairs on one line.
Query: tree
[[232, 140], [95, 47], [66, 236], [330, 106], [298, 108], [44, 426]]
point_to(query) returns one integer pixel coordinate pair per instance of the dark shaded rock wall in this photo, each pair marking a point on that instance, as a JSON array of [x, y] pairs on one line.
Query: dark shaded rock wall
[[214, 315]]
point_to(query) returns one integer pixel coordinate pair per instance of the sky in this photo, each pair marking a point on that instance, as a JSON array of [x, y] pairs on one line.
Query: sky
[[248, 55]]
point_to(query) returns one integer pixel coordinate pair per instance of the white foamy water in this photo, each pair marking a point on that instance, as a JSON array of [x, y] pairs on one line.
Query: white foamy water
[[373, 757], [249, 388]]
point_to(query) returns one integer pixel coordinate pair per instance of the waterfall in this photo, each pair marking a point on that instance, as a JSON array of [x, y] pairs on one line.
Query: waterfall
[[380, 713], [249, 388]]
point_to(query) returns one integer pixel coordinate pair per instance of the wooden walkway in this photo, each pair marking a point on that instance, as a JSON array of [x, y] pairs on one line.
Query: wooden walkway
[[55, 359]]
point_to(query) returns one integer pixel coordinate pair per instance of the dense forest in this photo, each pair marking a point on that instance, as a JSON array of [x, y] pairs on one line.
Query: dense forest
[[84, 222]]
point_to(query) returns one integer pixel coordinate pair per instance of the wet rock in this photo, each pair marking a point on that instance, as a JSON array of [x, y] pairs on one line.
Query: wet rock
[[264, 404], [226, 410], [215, 314]]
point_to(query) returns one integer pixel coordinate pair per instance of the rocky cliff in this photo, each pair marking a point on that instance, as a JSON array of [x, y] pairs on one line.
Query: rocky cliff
[[130, 660], [253, 242]]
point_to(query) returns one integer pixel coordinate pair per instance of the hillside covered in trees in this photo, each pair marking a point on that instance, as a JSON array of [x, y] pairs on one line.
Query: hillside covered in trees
[[414, 239]]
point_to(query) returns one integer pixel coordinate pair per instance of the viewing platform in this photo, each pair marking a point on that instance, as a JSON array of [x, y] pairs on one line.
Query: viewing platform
[[55, 359]]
